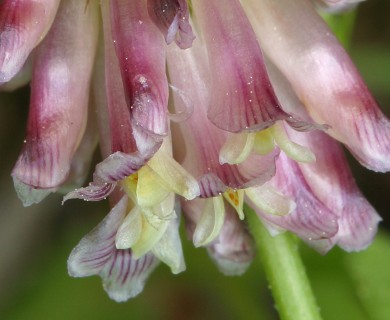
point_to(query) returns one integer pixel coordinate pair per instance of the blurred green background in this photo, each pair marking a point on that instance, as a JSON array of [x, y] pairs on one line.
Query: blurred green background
[[35, 242]]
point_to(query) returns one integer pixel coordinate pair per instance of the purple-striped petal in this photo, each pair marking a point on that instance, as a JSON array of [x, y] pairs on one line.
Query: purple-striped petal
[[172, 18], [23, 24], [331, 180], [141, 53], [242, 96], [59, 96], [323, 76], [333, 183], [188, 72], [123, 276], [311, 219], [130, 145]]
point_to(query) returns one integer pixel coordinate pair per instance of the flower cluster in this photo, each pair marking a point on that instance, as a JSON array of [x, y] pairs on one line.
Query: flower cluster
[[198, 107]]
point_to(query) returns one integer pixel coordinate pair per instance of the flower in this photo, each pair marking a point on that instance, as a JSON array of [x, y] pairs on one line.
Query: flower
[[201, 106]]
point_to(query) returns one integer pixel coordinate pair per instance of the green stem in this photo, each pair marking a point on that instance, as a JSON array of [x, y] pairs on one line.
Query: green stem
[[285, 272], [342, 25]]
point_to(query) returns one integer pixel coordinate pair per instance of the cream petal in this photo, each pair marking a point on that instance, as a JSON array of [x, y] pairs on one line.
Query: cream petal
[[169, 249], [129, 231], [210, 223], [237, 148], [233, 250], [270, 201]]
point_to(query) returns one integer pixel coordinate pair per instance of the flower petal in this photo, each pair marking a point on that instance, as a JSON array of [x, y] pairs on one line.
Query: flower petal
[[150, 189], [129, 231], [233, 250], [333, 183], [172, 18], [291, 149], [269, 200], [311, 219], [169, 249], [59, 96], [93, 252], [141, 53], [187, 70], [173, 175], [242, 95], [331, 180], [237, 148], [22, 78], [210, 223], [323, 76], [23, 24], [82, 158], [123, 276], [29, 195]]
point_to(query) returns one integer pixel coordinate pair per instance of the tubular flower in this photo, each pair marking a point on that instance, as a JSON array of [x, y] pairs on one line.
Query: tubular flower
[[200, 110]]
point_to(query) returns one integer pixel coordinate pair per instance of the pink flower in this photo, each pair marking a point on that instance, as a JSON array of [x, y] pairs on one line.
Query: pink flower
[[238, 106]]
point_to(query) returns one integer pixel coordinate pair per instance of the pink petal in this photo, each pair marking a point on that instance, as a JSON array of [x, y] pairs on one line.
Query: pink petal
[[22, 78], [82, 158], [333, 183], [331, 180], [242, 96], [23, 24], [123, 277], [172, 18], [203, 141], [311, 219], [141, 53], [59, 96], [130, 145], [323, 76]]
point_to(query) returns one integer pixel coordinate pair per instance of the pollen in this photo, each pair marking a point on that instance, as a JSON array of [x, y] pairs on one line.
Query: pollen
[[233, 197]]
